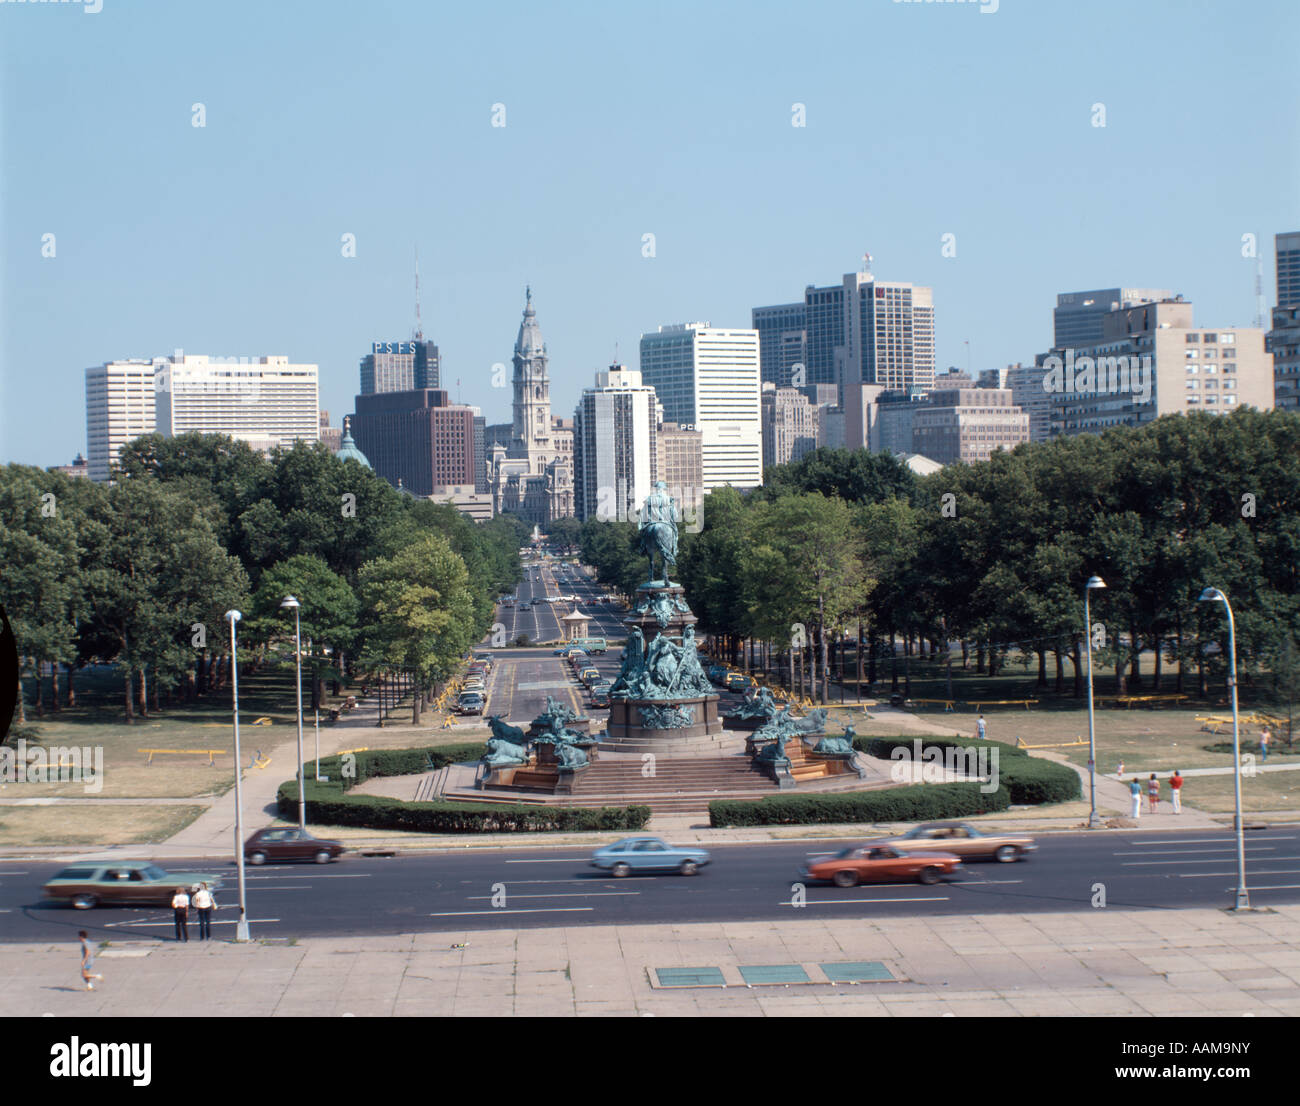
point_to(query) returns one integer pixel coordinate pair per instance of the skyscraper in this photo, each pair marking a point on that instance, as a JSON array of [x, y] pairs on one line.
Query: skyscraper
[[708, 378], [782, 343], [120, 406], [264, 401], [1283, 340], [400, 367], [615, 446], [789, 425], [1287, 248], [417, 438]]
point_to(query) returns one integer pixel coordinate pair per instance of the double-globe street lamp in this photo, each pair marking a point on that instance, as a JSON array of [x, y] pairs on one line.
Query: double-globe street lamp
[[1094, 822], [292, 604], [1214, 595], [241, 927]]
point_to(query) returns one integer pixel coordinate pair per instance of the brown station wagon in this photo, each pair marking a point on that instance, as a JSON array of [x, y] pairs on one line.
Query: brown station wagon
[[121, 883], [964, 840], [289, 844]]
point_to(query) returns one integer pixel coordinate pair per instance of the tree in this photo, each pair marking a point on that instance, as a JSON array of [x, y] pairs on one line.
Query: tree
[[418, 612]]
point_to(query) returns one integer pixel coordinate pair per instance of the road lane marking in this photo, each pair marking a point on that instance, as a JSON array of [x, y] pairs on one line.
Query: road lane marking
[[1184, 852], [1156, 863], [504, 910], [972, 882], [554, 860], [169, 922], [332, 875], [1265, 872], [1272, 887], [1200, 841], [837, 902], [558, 895]]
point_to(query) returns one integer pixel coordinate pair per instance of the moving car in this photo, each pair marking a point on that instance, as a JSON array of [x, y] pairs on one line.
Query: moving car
[[717, 673], [963, 840], [525, 606], [648, 854], [738, 681], [879, 864], [289, 844], [121, 883]]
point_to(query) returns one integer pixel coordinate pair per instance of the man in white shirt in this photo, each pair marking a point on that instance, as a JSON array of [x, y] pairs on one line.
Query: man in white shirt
[[204, 903]]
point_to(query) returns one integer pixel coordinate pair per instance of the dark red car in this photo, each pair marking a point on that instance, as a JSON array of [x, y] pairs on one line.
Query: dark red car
[[280, 843]]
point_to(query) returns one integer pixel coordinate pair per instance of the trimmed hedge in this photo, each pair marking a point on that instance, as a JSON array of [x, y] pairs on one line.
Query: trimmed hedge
[[924, 803], [1030, 781], [375, 763], [328, 802]]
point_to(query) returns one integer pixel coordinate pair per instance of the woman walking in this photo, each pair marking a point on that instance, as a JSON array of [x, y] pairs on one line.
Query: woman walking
[[204, 903], [1153, 792], [1135, 793], [87, 961]]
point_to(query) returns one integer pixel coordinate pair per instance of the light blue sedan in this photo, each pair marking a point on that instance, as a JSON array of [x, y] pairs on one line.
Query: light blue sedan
[[648, 854]]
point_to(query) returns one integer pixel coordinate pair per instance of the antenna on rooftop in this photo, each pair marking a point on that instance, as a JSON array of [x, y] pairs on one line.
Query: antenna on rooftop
[[419, 327], [1259, 293], [866, 263]]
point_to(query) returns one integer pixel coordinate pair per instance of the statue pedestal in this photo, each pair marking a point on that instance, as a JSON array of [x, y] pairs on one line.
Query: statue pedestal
[[627, 723]]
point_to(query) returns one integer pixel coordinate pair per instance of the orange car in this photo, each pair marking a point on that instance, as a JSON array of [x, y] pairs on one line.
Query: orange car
[[879, 864]]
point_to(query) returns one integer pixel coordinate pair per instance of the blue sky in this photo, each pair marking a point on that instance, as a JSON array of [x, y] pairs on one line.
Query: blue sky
[[674, 119]]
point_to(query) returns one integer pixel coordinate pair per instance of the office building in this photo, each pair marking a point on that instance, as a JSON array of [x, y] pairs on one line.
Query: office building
[[331, 437], [400, 367], [417, 440], [782, 344], [1287, 250], [1154, 360], [78, 470], [120, 406], [267, 402], [708, 378], [1077, 320], [615, 446], [680, 465], [1283, 340], [789, 425], [967, 424]]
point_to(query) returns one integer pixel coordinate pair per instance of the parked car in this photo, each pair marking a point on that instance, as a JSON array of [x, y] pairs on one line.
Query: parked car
[[290, 844], [600, 696], [589, 676], [963, 840], [738, 681], [879, 864], [470, 703], [648, 854], [717, 673], [121, 883]]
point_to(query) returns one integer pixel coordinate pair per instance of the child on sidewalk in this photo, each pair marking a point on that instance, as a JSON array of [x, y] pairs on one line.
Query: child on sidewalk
[[87, 961]]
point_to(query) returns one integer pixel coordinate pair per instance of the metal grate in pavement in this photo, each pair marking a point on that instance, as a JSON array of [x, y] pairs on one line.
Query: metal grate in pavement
[[856, 971], [773, 973], [690, 977]]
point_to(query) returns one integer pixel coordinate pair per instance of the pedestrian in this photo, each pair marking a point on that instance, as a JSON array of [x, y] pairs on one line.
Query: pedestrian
[[204, 903], [981, 729], [1176, 789], [1264, 736], [181, 914], [87, 961], [1119, 772], [1153, 792], [1135, 793]]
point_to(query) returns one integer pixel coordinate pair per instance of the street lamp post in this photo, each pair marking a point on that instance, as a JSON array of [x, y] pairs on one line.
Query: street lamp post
[[241, 927], [292, 604], [1094, 822], [1214, 595]]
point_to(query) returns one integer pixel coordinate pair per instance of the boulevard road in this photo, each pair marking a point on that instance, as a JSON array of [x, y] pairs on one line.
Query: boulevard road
[[547, 887]]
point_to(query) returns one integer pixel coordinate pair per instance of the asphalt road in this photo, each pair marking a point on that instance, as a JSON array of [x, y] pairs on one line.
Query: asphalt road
[[547, 887]]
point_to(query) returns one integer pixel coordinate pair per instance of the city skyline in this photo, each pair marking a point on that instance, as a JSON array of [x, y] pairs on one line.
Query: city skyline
[[229, 236]]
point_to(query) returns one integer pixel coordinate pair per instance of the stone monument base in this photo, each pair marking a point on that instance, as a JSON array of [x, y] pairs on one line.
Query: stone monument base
[[627, 724]]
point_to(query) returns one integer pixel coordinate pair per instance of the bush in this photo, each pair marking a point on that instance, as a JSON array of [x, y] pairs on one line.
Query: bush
[[374, 763], [1029, 781], [917, 803], [327, 804]]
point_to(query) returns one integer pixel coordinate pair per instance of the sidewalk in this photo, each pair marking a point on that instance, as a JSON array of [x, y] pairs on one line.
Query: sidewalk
[[1086, 963]]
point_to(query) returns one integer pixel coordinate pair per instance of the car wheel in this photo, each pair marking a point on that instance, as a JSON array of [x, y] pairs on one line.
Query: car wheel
[[257, 858], [84, 902], [930, 875], [689, 868], [846, 879], [1006, 854], [323, 857], [620, 869]]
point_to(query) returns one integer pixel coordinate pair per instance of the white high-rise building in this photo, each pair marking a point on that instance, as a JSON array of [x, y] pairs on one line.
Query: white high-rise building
[[265, 401], [119, 408], [708, 378], [615, 451]]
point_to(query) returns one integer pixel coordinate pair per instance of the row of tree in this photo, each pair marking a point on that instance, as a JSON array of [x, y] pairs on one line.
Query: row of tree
[[139, 573], [994, 556]]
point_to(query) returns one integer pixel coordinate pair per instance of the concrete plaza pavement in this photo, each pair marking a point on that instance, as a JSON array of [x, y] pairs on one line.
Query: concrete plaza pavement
[[1192, 963]]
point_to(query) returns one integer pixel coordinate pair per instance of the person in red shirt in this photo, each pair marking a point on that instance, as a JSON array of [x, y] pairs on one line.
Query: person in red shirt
[[1176, 787]]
